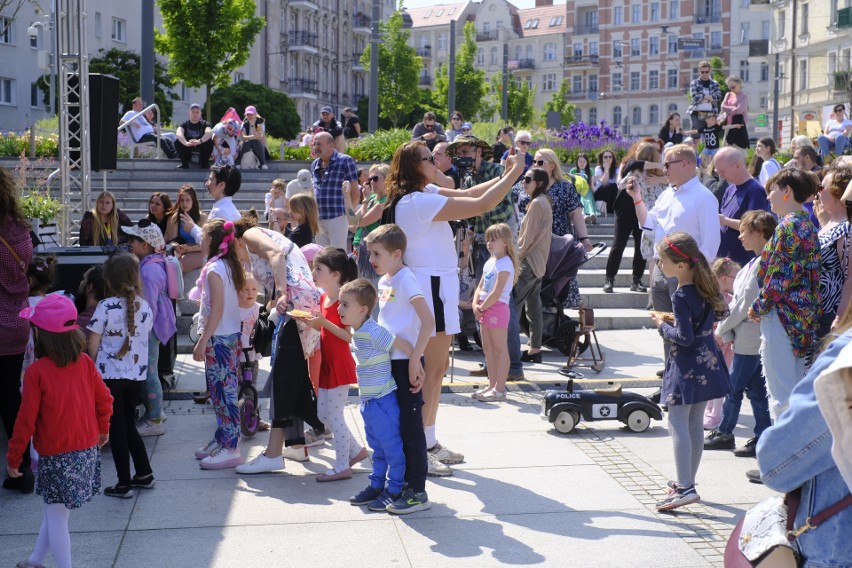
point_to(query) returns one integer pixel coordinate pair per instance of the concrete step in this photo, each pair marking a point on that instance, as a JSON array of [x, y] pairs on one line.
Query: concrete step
[[594, 278], [623, 298], [612, 318]]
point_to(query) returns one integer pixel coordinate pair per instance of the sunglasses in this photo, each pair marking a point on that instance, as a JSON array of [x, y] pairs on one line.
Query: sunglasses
[[528, 179], [465, 129], [704, 72], [373, 178], [429, 125], [429, 158], [667, 165], [539, 162], [523, 142], [607, 157], [456, 118]]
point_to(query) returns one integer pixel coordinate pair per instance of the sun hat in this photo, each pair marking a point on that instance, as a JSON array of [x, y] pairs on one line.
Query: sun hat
[[55, 313], [471, 140], [251, 109], [149, 232], [310, 251]]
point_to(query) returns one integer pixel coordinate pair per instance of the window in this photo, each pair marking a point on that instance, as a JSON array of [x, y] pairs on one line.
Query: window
[[36, 96], [765, 29], [655, 11], [782, 18], [637, 115], [832, 65], [636, 17], [653, 45], [653, 80], [593, 84], [672, 108], [556, 20], [238, 77], [578, 50], [550, 51], [616, 49], [635, 47], [529, 51], [803, 74], [486, 26], [616, 82], [519, 52], [451, 12], [7, 34], [577, 84], [715, 40], [671, 78], [428, 13], [672, 45], [764, 68], [499, 24], [616, 115], [578, 114], [593, 115], [634, 80], [119, 29], [99, 26], [184, 92], [480, 57], [618, 15], [654, 114], [549, 82], [442, 40], [745, 28], [593, 48], [744, 70], [493, 56], [804, 11], [7, 91], [531, 24], [674, 10], [764, 102], [440, 13]]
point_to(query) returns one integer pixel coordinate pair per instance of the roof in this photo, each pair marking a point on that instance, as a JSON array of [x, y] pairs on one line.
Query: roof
[[543, 20], [437, 15]]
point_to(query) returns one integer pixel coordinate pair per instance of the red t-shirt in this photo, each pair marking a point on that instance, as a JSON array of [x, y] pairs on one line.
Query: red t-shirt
[[63, 409], [338, 365]]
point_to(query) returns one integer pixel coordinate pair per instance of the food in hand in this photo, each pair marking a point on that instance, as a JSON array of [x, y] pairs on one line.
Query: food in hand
[[667, 317], [300, 314]]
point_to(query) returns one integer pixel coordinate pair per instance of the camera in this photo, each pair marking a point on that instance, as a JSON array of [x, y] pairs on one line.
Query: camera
[[32, 31], [463, 162]]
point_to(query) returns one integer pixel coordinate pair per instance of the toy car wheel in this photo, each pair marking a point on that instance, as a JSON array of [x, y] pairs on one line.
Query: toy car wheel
[[638, 420], [249, 417], [566, 420], [193, 332]]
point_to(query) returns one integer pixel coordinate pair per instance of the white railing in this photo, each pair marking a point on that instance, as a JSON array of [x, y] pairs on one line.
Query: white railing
[[133, 142]]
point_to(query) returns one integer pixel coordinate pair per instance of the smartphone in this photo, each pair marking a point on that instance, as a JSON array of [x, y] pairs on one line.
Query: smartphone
[[512, 141]]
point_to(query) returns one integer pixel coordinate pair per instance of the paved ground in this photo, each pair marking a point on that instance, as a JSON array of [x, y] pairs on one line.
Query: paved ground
[[526, 495]]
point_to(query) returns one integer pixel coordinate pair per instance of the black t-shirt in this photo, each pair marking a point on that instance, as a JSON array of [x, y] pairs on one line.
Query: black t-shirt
[[349, 130], [301, 235], [712, 136], [194, 130], [498, 150], [332, 127]]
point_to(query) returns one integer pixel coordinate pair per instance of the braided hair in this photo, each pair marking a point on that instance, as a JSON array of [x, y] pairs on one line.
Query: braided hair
[[121, 273]]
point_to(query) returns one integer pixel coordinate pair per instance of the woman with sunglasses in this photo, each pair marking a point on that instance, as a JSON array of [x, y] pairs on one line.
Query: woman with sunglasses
[[99, 226], [455, 129], [606, 179], [423, 210], [836, 135]]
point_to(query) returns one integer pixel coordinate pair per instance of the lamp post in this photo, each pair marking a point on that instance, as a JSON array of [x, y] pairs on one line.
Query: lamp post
[[375, 40]]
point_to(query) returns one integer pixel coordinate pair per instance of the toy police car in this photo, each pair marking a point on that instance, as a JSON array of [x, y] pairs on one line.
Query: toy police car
[[565, 407]]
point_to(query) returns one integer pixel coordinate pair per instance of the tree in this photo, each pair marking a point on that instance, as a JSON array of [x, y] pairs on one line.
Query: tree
[[559, 103], [521, 100], [399, 70], [717, 72], [276, 108], [205, 40], [471, 87]]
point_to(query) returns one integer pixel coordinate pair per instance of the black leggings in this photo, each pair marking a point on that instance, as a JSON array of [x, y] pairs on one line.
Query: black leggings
[[626, 224], [10, 396], [124, 440]]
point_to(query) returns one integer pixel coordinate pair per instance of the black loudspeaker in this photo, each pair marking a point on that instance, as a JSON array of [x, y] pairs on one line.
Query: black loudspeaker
[[103, 120], [72, 263]]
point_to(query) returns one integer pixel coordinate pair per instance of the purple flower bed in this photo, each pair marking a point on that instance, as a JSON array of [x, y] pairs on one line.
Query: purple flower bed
[[580, 137]]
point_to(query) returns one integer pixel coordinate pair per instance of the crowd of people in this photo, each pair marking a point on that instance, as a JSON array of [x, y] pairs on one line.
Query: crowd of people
[[367, 276]]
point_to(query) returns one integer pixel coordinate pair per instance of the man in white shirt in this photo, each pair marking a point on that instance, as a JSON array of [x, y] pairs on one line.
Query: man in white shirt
[[685, 206], [142, 130]]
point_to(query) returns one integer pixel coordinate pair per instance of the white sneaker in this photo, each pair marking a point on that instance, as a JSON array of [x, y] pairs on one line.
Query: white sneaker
[[207, 450], [147, 427], [446, 455], [262, 464], [436, 468], [222, 459], [312, 440], [296, 454], [264, 167]]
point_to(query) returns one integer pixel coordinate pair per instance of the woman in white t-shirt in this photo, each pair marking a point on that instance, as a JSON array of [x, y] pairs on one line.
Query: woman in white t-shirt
[[836, 134], [423, 211], [763, 166], [218, 345]]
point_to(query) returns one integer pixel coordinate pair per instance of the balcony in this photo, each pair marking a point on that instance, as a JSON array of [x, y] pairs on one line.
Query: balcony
[[844, 18], [486, 35], [425, 80], [708, 18], [306, 4], [582, 60], [584, 29], [302, 88], [581, 95], [303, 41], [526, 64], [425, 51], [362, 23]]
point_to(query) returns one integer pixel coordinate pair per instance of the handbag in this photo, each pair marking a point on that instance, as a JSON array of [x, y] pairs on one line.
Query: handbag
[[261, 336], [764, 537]]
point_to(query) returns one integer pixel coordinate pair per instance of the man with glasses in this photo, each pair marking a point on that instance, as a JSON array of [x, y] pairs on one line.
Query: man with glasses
[[705, 94], [837, 132], [429, 131], [329, 171], [686, 205]]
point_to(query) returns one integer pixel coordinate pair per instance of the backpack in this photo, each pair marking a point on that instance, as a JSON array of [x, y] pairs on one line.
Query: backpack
[[174, 276], [581, 184]]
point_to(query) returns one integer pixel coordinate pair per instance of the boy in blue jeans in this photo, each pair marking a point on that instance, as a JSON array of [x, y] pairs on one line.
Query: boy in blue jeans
[[404, 312], [371, 344]]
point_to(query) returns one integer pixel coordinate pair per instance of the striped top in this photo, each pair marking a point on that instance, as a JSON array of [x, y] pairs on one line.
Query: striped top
[[371, 344]]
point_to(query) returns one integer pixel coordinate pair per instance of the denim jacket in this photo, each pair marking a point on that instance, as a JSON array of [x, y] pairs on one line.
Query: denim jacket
[[796, 452]]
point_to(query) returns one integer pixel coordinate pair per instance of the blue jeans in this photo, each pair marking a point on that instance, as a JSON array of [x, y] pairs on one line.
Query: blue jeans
[[153, 387], [381, 424], [840, 144], [746, 378]]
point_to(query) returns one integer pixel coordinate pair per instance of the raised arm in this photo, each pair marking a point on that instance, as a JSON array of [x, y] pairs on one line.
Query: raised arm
[[465, 207]]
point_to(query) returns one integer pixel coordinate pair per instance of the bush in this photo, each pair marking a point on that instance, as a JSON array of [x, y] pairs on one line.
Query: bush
[[276, 108], [379, 147], [14, 144]]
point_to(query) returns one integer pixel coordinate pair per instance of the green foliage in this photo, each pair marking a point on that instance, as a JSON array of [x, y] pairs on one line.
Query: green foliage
[[275, 107], [378, 147], [487, 130], [717, 72], [471, 87], [559, 103], [125, 66], [33, 195], [13, 144], [298, 153], [521, 100], [205, 40], [399, 70]]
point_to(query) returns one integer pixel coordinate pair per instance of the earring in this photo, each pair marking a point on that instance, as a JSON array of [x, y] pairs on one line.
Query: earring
[[787, 197]]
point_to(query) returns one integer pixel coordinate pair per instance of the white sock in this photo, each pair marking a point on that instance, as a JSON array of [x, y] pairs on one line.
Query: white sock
[[57, 529], [431, 436]]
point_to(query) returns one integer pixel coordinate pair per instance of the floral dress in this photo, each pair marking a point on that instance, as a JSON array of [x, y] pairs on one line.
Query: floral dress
[[695, 370], [302, 293]]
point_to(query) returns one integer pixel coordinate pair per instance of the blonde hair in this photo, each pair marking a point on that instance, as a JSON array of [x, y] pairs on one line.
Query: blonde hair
[[99, 228], [503, 231], [306, 205], [278, 184], [551, 157], [724, 266], [681, 247]]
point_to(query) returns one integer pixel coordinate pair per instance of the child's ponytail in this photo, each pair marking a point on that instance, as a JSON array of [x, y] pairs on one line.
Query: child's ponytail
[[681, 247], [121, 273], [336, 260]]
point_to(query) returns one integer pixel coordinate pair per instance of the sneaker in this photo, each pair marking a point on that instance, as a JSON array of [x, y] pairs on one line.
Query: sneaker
[[492, 396], [436, 468], [384, 499], [143, 482], [409, 502], [299, 454], [747, 451], [264, 167], [446, 455], [261, 464], [753, 475], [27, 564], [148, 427], [366, 496], [205, 451], [120, 491], [638, 287], [608, 285], [480, 372], [312, 440], [715, 440], [222, 459], [678, 498]]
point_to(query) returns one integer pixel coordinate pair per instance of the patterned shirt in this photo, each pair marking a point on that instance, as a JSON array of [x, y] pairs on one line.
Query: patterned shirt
[[328, 184], [503, 211], [564, 199], [789, 279], [371, 344]]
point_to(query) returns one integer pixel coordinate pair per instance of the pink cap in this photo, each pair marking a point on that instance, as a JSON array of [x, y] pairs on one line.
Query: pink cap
[[250, 110], [310, 251], [56, 313]]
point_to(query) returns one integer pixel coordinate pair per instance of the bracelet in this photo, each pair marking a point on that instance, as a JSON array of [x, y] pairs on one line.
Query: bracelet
[[582, 238], [638, 202]]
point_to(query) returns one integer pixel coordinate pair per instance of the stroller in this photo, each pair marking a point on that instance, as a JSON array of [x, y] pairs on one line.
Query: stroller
[[566, 257]]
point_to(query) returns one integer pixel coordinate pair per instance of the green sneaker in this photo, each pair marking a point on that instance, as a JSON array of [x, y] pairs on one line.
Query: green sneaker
[[409, 502]]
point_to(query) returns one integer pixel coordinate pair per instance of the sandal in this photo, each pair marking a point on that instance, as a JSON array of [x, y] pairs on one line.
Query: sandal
[[332, 475]]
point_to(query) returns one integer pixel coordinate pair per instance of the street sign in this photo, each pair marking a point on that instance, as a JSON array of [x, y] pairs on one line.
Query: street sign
[[690, 43]]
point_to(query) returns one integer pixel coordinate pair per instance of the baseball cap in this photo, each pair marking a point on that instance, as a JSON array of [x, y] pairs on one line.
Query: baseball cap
[[327, 109], [195, 105], [149, 232], [467, 126], [250, 110], [55, 313], [304, 179]]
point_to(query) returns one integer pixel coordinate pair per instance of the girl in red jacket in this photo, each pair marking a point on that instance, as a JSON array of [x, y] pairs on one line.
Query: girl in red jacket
[[65, 409]]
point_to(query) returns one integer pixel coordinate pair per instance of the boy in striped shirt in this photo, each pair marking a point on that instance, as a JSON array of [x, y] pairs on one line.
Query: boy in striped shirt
[[371, 344]]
